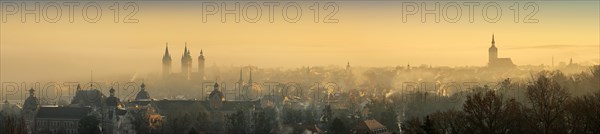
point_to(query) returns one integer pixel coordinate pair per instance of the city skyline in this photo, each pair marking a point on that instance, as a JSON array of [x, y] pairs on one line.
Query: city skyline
[[299, 67], [358, 37]]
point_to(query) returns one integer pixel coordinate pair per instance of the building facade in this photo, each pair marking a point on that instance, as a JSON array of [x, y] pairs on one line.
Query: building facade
[[59, 120]]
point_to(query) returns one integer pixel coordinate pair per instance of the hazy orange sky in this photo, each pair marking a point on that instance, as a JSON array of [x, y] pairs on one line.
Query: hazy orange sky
[[367, 34]]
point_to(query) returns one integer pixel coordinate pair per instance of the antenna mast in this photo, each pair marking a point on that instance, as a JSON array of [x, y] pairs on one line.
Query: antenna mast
[[91, 78]]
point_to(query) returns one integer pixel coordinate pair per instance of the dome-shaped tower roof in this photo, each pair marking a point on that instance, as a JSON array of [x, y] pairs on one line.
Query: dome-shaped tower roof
[[31, 103], [142, 94], [112, 100], [216, 92]]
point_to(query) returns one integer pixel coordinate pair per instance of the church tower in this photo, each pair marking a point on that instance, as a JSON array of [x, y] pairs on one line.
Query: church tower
[[216, 98], [348, 66], [110, 110], [166, 62], [250, 79], [493, 52], [201, 64], [30, 108], [186, 63]]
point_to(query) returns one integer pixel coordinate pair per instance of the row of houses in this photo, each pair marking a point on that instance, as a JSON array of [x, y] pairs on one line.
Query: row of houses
[[114, 114]]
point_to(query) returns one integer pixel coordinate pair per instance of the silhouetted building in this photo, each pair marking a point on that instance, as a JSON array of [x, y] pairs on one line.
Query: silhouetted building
[[166, 63], [494, 61], [201, 65], [186, 66], [348, 66], [143, 94], [112, 113], [88, 98], [7, 107], [30, 108], [63, 120], [215, 104], [186, 63]]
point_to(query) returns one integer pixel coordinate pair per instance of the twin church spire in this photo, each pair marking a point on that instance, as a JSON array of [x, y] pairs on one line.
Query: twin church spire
[[186, 63], [241, 81]]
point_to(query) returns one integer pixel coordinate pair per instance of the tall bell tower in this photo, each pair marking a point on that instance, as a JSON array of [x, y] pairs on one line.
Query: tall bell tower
[[201, 64], [166, 62], [493, 52], [186, 63]]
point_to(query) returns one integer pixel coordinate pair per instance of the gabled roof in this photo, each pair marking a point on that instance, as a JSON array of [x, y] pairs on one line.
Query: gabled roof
[[369, 125]]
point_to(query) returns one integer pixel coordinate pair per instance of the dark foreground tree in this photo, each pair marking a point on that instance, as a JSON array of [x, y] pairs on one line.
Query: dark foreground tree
[[412, 126], [428, 126], [89, 125], [337, 127], [483, 113], [547, 98], [237, 123], [264, 121], [449, 122], [583, 114], [389, 118], [12, 124]]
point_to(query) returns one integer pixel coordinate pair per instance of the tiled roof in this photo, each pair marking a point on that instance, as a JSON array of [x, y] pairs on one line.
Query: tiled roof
[[368, 125], [373, 124]]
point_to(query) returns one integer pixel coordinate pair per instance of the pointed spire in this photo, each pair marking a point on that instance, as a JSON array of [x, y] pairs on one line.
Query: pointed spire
[[216, 86], [201, 56], [571, 61], [143, 86], [493, 41], [91, 79], [188, 52], [78, 87], [250, 80], [185, 50], [167, 50]]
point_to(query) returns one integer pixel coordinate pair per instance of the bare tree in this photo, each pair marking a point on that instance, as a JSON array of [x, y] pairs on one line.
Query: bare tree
[[583, 114], [484, 113], [449, 122], [547, 98]]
